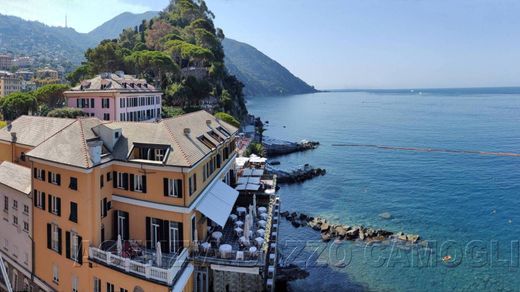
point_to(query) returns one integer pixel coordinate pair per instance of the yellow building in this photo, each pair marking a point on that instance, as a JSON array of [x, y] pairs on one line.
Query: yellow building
[[115, 204]]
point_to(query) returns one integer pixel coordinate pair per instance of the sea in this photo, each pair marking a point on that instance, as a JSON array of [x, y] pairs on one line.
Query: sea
[[463, 199]]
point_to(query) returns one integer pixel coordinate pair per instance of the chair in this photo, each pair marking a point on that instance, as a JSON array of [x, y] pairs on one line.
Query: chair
[[240, 255]]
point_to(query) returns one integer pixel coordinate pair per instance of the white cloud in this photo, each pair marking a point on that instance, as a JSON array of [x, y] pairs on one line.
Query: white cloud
[[82, 15]]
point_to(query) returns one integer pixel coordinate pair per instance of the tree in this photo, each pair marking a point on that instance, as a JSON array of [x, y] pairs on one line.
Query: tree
[[66, 112], [225, 100], [51, 95], [259, 130], [157, 31], [81, 73], [17, 104], [108, 56], [151, 64], [255, 148], [228, 119]]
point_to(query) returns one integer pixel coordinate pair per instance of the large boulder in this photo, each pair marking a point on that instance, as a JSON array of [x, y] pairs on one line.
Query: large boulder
[[341, 231], [325, 227], [413, 238], [325, 236]]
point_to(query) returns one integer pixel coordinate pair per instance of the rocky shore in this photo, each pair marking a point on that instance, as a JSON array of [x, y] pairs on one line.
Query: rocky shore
[[273, 147], [331, 231], [298, 175]]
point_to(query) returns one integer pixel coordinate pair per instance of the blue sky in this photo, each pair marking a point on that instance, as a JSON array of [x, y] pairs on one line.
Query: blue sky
[[348, 43]]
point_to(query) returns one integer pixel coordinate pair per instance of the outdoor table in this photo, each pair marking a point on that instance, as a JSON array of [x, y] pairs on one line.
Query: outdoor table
[[262, 223], [233, 217], [241, 211], [217, 235], [260, 232], [264, 216], [225, 249], [262, 210], [205, 246], [252, 249], [243, 240], [239, 223], [259, 241], [239, 231]]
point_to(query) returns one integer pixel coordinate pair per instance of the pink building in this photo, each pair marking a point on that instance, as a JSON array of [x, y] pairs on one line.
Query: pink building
[[116, 97]]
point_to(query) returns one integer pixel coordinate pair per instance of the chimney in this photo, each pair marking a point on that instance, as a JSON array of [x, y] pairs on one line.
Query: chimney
[[187, 131], [13, 137], [94, 148]]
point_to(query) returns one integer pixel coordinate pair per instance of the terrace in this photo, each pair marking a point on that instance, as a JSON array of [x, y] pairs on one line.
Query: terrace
[[139, 261]]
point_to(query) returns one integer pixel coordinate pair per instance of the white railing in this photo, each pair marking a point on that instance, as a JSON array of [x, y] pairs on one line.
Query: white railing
[[147, 271]]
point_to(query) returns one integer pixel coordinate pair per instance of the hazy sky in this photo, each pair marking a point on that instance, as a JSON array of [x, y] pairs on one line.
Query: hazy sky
[[347, 43]]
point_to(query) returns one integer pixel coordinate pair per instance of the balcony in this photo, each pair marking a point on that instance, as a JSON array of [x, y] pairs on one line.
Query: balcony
[[143, 265]]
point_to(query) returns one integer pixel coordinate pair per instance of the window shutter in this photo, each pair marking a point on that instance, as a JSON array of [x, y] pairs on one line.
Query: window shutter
[[58, 203], [48, 176], [179, 190], [114, 179], [125, 181], [148, 235], [73, 212], [80, 250], [181, 237], [67, 245], [59, 241], [144, 183], [164, 236], [43, 175], [115, 223], [165, 185], [49, 236], [43, 201], [132, 182], [77, 103], [127, 226], [50, 203], [58, 179], [35, 196], [35, 170]]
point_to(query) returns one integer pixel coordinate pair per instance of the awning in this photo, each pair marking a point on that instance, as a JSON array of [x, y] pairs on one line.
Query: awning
[[241, 161], [248, 187], [253, 172], [218, 203], [257, 159], [248, 180]]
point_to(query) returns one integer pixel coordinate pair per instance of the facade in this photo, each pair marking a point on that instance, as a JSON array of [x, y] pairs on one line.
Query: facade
[[118, 205], [47, 73], [16, 226], [9, 83], [25, 75], [116, 97], [6, 62]]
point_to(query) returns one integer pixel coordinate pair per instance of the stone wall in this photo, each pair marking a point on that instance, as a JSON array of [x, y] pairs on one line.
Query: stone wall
[[236, 282]]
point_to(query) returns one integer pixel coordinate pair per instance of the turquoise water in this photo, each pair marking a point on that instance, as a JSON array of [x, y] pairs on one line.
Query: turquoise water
[[465, 205]]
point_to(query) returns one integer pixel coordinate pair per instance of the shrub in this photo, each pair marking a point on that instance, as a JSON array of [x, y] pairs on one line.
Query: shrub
[[2, 124], [228, 119], [66, 112], [255, 148]]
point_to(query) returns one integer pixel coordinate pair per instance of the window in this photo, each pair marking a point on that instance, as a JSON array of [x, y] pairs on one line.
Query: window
[[120, 180], [193, 183], [208, 143], [109, 176], [26, 209], [39, 199], [101, 181], [54, 178], [173, 188], [75, 284], [55, 238], [73, 212], [15, 220], [6, 203], [104, 207], [122, 103], [159, 154], [15, 204], [106, 116], [92, 103], [55, 274], [97, 285], [55, 205], [73, 185], [105, 103], [122, 290], [26, 226], [39, 174], [22, 156], [138, 183], [110, 287], [74, 246]]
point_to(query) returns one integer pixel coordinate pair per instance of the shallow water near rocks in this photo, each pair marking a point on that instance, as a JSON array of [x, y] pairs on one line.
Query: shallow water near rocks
[[466, 205]]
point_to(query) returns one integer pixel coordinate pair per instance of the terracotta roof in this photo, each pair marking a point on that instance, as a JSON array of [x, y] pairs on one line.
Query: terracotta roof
[[69, 146], [15, 176]]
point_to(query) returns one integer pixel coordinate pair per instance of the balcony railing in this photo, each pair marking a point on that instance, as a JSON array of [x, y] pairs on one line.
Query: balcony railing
[[147, 271]]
